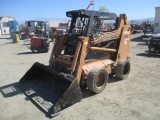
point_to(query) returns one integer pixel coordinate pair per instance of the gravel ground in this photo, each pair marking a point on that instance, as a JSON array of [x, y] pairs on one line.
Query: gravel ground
[[137, 97]]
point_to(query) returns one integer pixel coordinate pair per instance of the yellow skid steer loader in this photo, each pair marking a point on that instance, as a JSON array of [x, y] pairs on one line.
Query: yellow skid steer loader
[[86, 55]]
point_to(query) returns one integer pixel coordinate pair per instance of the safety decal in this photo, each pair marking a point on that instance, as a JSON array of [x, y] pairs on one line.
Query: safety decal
[[125, 40], [126, 32]]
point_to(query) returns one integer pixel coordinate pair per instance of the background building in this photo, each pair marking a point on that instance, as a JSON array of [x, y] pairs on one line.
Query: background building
[[4, 24], [157, 20]]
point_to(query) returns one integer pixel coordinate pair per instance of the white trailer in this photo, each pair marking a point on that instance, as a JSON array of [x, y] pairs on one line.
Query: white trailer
[[4, 24]]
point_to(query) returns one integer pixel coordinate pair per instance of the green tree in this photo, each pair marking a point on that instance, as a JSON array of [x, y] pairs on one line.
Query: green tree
[[103, 9]]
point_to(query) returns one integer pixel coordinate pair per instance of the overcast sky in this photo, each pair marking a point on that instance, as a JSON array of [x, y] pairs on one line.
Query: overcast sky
[[23, 10]]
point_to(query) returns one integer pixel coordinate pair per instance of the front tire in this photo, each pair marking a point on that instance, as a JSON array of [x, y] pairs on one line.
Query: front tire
[[97, 80]]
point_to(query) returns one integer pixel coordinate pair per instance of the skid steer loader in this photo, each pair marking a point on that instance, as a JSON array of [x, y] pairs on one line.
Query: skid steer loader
[[85, 57]]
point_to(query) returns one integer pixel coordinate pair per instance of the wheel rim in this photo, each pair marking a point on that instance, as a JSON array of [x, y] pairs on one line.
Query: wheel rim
[[100, 80], [152, 49]]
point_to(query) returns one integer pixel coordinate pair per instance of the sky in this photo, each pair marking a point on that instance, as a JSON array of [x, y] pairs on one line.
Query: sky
[[23, 10]]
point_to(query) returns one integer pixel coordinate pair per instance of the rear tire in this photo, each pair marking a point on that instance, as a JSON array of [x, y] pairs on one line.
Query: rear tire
[[97, 80], [40, 50], [46, 50], [152, 49], [122, 69]]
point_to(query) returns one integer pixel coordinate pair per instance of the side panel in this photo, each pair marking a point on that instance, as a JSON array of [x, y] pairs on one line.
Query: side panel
[[36, 41], [99, 63]]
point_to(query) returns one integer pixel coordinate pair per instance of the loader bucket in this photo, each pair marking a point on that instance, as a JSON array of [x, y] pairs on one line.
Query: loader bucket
[[51, 90]]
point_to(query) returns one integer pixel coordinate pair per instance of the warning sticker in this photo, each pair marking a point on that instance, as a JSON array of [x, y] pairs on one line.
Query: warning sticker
[[125, 39], [126, 32]]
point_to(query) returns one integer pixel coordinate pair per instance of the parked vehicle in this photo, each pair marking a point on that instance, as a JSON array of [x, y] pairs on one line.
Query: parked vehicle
[[154, 44], [148, 37], [39, 44]]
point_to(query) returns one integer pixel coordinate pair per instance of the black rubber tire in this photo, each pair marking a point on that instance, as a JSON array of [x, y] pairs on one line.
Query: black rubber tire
[[40, 50], [122, 69], [152, 49], [96, 74], [46, 50], [34, 51], [45, 46]]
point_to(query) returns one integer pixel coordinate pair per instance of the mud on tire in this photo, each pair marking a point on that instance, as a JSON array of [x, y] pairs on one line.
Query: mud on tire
[[97, 80], [122, 69]]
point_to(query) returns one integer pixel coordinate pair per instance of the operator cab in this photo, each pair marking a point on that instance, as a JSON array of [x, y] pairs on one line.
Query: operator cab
[[88, 23]]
